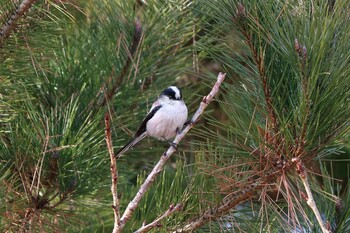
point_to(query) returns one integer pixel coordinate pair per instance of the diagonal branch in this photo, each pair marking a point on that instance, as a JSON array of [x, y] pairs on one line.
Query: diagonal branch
[[309, 199], [156, 223], [114, 174], [159, 166], [20, 10]]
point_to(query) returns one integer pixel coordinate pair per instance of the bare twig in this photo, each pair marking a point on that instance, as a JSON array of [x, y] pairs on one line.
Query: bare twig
[[309, 198], [20, 10], [114, 175], [159, 166], [156, 223]]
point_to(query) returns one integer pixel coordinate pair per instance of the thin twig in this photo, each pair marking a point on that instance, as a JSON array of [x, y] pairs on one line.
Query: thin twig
[[159, 166], [156, 223], [20, 10], [309, 198], [114, 175]]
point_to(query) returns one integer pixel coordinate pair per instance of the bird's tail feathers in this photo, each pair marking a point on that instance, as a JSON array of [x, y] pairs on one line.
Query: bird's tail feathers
[[130, 144]]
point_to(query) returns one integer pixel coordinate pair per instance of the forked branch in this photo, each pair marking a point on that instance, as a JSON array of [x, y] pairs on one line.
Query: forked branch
[[156, 222]]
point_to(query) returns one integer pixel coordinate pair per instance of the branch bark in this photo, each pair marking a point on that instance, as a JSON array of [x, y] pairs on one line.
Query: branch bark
[[156, 223], [114, 175], [159, 166], [20, 10], [309, 199]]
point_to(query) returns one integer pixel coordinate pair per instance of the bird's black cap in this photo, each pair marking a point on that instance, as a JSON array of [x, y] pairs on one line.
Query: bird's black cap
[[173, 93]]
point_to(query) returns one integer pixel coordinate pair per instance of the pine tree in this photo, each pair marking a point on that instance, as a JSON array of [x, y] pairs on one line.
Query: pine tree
[[282, 113]]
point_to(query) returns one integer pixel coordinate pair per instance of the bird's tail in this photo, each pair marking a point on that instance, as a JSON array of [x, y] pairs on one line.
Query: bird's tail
[[130, 144]]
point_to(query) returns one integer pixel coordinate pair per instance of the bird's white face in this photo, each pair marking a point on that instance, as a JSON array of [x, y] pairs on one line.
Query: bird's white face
[[178, 95]]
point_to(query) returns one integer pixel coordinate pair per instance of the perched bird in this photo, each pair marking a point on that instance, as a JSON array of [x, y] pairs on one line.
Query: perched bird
[[166, 118]]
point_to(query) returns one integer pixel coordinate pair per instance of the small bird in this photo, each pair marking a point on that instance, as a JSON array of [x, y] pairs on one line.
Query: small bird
[[166, 118]]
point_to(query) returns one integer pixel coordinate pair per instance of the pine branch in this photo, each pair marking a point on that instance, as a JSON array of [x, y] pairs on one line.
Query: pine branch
[[10, 24], [159, 166], [156, 223], [134, 45], [114, 175], [258, 57], [302, 53]]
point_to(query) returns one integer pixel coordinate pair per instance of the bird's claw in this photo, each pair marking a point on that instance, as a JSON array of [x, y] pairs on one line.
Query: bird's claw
[[173, 145], [178, 130]]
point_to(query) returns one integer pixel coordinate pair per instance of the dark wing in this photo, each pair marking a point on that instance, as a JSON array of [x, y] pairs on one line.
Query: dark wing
[[143, 125]]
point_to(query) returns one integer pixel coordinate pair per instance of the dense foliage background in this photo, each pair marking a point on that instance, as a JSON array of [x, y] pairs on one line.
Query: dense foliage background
[[64, 64]]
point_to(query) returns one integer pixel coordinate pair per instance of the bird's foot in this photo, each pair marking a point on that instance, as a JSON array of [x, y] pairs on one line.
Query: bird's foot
[[178, 130], [174, 145]]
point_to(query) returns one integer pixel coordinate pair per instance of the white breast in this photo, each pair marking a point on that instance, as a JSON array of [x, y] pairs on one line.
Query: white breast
[[170, 117]]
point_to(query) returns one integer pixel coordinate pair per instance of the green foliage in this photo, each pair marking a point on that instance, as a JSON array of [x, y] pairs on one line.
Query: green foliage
[[300, 89], [61, 73], [286, 95]]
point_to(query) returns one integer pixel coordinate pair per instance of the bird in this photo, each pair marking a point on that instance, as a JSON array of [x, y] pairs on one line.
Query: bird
[[165, 119]]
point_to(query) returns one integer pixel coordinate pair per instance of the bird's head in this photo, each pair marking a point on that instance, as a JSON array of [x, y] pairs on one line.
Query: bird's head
[[172, 93]]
